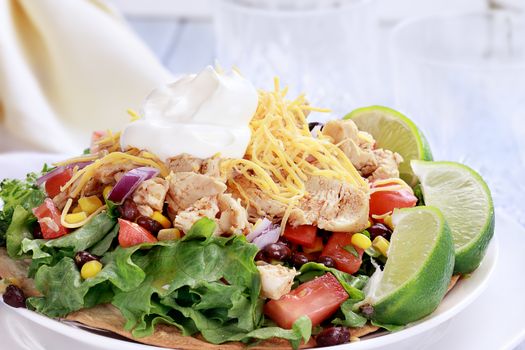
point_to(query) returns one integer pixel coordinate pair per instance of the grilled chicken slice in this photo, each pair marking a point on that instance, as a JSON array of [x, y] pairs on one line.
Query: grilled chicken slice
[[332, 205], [186, 188]]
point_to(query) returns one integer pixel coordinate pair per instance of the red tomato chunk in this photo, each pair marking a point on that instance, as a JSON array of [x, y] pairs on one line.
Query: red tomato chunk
[[303, 234], [49, 219], [131, 234], [58, 180], [386, 201], [318, 299], [338, 247]]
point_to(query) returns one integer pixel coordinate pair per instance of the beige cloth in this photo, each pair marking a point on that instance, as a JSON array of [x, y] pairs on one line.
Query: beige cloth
[[68, 67]]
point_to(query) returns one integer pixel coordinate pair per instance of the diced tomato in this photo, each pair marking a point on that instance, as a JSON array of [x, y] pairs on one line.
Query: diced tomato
[[338, 247], [317, 299], [58, 180], [131, 234], [303, 234], [386, 201], [49, 219], [317, 246]]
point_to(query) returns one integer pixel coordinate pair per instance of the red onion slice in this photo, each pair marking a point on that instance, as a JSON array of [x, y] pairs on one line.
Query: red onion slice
[[268, 237], [129, 183], [265, 225], [60, 169]]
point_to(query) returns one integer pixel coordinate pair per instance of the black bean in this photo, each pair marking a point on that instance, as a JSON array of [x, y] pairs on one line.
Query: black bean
[[284, 241], [83, 257], [326, 260], [14, 296], [333, 336], [128, 210], [379, 230], [276, 251], [260, 256], [149, 224], [37, 232], [312, 125], [298, 259], [367, 310]]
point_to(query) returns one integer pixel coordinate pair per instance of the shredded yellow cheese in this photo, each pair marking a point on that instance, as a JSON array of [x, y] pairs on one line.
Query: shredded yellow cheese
[[85, 174], [134, 116], [382, 216], [65, 211], [392, 184], [282, 153], [110, 142], [86, 158]]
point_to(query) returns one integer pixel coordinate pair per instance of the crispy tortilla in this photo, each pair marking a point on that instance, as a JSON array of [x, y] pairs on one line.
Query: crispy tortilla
[[106, 317], [453, 281], [15, 272]]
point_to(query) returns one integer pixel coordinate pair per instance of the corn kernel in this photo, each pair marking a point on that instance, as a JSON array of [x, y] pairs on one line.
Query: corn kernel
[[168, 234], [90, 269], [388, 221], [359, 240], [89, 204], [368, 224], [161, 219], [381, 244], [106, 191], [76, 209], [75, 218]]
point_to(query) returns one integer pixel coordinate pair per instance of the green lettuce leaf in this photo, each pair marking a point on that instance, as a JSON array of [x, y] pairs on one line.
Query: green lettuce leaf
[[15, 192], [93, 232], [19, 230], [301, 331], [105, 243], [388, 327], [350, 317], [195, 275], [200, 284], [65, 291]]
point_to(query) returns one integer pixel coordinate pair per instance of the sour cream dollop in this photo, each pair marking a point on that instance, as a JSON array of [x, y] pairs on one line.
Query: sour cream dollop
[[200, 114]]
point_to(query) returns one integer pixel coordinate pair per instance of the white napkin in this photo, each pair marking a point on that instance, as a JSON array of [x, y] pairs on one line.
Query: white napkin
[[68, 67]]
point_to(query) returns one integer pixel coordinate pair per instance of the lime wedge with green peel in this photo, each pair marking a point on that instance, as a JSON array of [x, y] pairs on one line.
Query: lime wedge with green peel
[[395, 132], [465, 200], [418, 269]]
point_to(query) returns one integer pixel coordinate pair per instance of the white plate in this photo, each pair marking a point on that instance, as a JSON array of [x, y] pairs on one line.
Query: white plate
[[29, 330]]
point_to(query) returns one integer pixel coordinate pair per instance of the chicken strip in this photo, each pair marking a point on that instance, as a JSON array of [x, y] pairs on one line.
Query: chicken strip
[[388, 163], [188, 163], [356, 145], [203, 207], [186, 188], [276, 280], [234, 218], [260, 204], [332, 205], [150, 195]]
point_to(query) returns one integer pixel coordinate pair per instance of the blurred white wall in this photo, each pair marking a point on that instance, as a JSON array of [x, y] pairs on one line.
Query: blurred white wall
[[390, 10]]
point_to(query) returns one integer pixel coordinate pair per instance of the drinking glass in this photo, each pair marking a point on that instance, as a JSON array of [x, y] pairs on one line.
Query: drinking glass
[[461, 77], [323, 48]]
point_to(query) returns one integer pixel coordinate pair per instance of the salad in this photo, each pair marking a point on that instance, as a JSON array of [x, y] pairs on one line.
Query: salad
[[221, 217]]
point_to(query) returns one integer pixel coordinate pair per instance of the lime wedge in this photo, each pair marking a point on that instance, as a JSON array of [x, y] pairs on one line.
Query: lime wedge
[[395, 132], [418, 269], [465, 201]]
